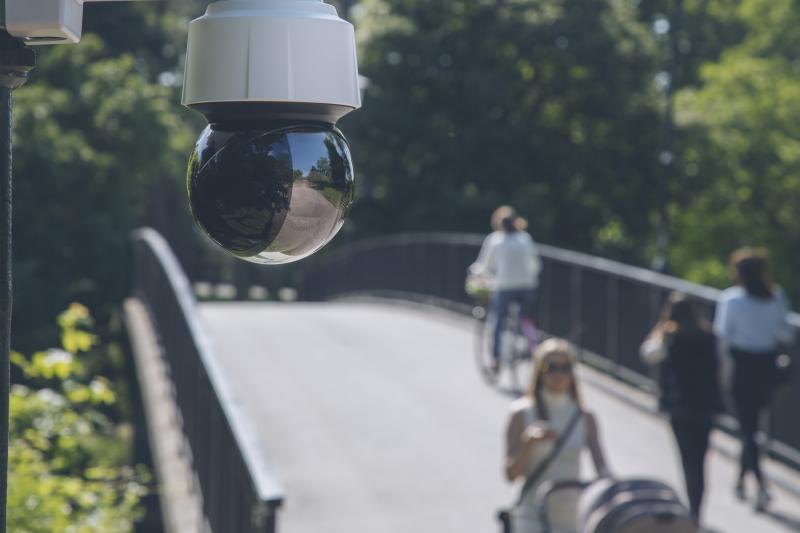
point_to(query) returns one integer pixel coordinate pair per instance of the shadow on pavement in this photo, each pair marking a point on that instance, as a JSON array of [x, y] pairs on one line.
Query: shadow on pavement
[[791, 522]]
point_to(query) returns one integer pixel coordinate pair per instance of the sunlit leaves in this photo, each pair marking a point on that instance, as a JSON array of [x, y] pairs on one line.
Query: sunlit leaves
[[745, 120], [66, 469]]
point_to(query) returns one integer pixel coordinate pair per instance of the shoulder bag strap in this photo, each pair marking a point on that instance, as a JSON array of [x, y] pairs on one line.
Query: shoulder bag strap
[[540, 469]]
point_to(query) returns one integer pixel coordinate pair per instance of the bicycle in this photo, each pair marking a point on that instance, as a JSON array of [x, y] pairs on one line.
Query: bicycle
[[515, 348]]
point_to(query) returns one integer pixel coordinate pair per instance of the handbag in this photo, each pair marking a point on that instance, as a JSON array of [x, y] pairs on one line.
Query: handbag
[[504, 515]]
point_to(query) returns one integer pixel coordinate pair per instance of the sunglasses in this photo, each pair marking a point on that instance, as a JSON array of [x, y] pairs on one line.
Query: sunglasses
[[558, 368]]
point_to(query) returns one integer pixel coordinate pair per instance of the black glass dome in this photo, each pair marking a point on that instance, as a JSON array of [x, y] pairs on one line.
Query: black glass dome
[[270, 193]]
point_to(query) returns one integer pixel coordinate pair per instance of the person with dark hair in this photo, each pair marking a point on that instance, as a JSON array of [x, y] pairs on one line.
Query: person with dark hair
[[751, 323], [510, 264], [686, 350], [550, 411]]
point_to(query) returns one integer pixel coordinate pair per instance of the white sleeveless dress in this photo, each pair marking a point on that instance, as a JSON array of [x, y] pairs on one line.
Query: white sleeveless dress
[[562, 508]]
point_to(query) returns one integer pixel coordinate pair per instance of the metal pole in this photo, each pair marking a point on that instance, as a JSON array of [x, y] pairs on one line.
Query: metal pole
[[5, 287], [15, 62]]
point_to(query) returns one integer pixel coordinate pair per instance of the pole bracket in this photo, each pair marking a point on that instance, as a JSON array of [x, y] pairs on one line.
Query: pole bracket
[[16, 61]]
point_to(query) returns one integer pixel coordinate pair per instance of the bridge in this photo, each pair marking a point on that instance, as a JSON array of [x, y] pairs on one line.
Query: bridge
[[358, 407]]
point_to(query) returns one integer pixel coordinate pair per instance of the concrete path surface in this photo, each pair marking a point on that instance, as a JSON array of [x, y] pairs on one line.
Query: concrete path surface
[[376, 421]]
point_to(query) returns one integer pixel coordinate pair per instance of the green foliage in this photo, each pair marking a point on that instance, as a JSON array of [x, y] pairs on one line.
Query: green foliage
[[93, 135], [744, 123], [67, 466], [703, 30], [548, 105], [558, 106]]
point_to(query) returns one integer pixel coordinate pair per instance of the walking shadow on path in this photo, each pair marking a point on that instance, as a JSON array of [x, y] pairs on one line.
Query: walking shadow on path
[[791, 522]]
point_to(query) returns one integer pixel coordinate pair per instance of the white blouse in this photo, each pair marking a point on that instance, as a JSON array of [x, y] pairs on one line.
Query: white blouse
[[752, 324], [510, 260]]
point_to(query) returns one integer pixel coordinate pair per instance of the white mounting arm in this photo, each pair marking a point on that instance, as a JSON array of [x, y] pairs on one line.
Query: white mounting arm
[[47, 21]]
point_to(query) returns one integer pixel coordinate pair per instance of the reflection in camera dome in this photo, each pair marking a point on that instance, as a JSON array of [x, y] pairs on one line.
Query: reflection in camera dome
[[270, 195]]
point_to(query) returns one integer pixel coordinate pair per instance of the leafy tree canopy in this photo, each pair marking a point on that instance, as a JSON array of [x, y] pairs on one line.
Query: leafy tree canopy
[[96, 127], [547, 105], [744, 123]]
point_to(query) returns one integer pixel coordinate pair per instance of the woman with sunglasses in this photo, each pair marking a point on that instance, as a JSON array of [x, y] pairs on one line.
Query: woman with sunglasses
[[550, 407], [682, 344]]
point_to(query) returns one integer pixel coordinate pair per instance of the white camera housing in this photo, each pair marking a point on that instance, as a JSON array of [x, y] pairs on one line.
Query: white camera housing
[[283, 59], [45, 21]]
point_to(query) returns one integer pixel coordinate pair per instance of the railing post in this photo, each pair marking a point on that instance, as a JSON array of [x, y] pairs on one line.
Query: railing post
[[576, 306], [612, 321], [259, 515]]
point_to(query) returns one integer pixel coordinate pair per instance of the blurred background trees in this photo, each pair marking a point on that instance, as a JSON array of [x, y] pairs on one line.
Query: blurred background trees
[[546, 105], [97, 129], [606, 123], [742, 122]]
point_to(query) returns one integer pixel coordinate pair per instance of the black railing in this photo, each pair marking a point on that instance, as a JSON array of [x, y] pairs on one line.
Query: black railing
[[605, 307], [239, 495]]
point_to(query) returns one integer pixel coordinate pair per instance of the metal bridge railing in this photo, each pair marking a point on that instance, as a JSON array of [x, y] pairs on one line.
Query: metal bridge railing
[[604, 307], [239, 494]]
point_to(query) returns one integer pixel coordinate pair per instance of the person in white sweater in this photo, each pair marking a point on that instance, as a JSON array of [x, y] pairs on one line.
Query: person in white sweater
[[509, 261], [751, 323]]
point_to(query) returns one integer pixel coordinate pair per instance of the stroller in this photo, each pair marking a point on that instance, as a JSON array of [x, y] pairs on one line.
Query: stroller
[[607, 505]]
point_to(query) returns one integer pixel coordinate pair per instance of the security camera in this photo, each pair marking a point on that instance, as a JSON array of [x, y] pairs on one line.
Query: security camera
[[271, 178]]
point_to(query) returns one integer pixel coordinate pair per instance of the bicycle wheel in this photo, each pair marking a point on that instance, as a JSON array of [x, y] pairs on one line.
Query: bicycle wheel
[[511, 346], [519, 350], [511, 372], [483, 345]]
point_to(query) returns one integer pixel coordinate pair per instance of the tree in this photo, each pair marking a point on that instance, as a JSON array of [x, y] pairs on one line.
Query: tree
[[547, 105], [704, 30], [745, 124], [94, 132]]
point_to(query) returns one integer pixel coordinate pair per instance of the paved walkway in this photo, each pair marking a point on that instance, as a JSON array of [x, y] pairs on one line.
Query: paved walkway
[[375, 420]]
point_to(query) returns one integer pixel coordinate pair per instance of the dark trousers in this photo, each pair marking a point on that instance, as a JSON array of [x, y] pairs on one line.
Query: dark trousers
[[752, 389], [692, 435], [498, 305]]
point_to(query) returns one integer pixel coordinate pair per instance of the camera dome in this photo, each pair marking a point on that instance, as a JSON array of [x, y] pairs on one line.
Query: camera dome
[[269, 192]]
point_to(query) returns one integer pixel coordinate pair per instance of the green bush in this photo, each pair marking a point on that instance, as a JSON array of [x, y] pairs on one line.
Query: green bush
[[68, 468]]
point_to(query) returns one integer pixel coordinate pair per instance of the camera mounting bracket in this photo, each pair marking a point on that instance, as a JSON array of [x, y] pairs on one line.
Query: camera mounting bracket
[[280, 58], [47, 21]]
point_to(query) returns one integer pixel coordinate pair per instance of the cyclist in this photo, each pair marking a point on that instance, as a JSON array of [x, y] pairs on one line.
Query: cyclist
[[509, 263]]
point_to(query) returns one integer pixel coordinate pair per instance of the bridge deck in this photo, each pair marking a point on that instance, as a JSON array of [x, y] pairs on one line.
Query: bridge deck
[[375, 419]]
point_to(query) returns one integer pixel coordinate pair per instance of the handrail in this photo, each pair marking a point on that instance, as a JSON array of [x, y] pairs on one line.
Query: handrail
[[551, 252], [622, 270], [223, 461]]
